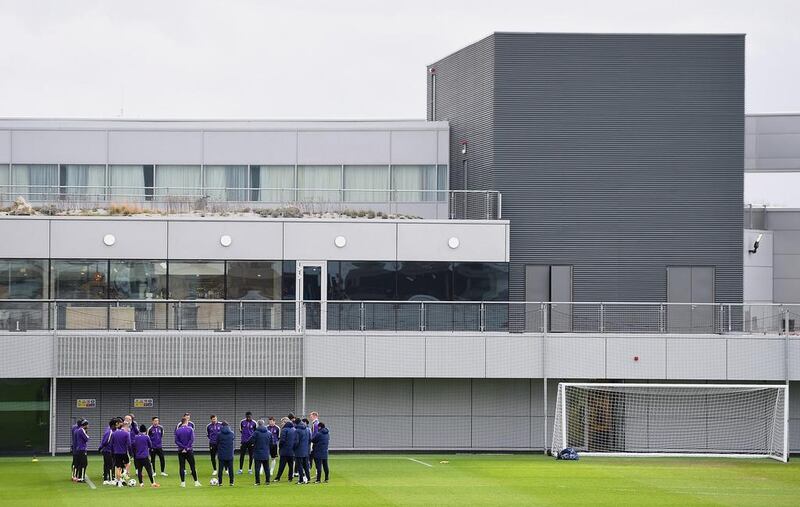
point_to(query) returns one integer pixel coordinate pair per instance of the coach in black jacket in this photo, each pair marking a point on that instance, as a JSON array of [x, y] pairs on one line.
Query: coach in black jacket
[[225, 447], [261, 441]]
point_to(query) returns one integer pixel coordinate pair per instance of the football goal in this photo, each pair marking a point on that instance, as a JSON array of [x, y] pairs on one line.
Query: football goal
[[714, 420]]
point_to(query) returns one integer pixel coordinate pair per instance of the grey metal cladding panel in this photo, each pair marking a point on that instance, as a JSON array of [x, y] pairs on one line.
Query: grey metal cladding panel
[[414, 147], [389, 432], [756, 359], [783, 220], [26, 356], [58, 146], [442, 397], [330, 396], [265, 148], [24, 238], [5, 146], [507, 398], [343, 147], [786, 242], [501, 432], [621, 154], [464, 97], [696, 359], [155, 147], [83, 239], [383, 397], [442, 431]]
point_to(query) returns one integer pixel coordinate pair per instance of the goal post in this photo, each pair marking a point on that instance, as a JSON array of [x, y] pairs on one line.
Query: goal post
[[704, 420]]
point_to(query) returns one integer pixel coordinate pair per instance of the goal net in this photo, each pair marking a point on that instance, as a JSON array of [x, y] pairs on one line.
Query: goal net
[[672, 420]]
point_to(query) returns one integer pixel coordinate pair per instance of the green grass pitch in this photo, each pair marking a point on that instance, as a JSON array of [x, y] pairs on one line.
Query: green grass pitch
[[395, 479]]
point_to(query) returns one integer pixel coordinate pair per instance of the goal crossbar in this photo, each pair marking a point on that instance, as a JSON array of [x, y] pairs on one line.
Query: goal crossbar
[[672, 420]]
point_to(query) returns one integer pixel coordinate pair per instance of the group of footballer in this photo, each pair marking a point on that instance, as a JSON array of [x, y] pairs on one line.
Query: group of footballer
[[295, 444]]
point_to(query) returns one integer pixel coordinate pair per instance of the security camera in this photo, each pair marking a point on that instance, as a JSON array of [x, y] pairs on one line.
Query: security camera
[[755, 244]]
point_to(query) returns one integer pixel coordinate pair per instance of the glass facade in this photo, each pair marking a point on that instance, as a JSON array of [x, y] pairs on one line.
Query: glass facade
[[79, 279], [35, 182], [319, 183], [23, 279], [135, 279], [227, 182], [367, 182], [197, 280], [89, 180], [25, 404]]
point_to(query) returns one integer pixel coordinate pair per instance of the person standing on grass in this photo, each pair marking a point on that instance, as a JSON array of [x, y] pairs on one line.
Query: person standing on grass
[[314, 417], [72, 431], [141, 456], [286, 448], [261, 441], [301, 449], [225, 444], [81, 444], [319, 452], [120, 443], [246, 428], [212, 430], [188, 417], [108, 457], [156, 434], [184, 439], [273, 448]]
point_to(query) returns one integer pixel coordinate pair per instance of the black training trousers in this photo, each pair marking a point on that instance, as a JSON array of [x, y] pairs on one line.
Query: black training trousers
[[223, 464], [183, 458], [140, 463], [160, 453], [284, 461], [321, 462], [249, 449], [108, 467], [301, 467], [212, 449], [262, 463], [81, 462]]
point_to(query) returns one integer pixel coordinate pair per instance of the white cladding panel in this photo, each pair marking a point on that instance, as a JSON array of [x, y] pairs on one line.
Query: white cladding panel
[[83, 239], [258, 148], [432, 242], [5, 146], [59, 147], [414, 147], [444, 147], [343, 147], [262, 239], [23, 238], [365, 241], [155, 147]]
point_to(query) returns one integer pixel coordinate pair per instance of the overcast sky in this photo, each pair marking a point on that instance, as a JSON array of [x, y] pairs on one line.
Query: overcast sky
[[323, 58]]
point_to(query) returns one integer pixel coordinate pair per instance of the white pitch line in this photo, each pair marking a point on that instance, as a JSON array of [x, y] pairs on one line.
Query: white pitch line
[[420, 462], [90, 483]]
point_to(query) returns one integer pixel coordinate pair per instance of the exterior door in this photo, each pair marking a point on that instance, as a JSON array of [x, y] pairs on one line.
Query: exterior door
[[312, 295]]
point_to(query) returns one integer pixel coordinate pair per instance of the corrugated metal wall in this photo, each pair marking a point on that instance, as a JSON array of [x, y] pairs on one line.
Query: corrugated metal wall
[[618, 154], [228, 398]]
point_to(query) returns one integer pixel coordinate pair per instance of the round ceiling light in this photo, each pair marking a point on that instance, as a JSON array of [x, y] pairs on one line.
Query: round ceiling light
[[453, 242], [225, 240], [109, 239], [340, 241]]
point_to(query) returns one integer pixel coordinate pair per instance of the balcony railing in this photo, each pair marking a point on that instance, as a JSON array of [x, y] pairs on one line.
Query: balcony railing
[[397, 316], [275, 202]]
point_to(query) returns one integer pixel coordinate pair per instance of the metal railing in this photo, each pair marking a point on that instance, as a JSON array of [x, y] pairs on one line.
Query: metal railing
[[398, 316], [275, 202]]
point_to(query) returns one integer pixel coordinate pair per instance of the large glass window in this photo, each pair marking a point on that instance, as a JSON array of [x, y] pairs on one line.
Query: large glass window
[[79, 279], [138, 279], [27, 403], [178, 180], [480, 281], [81, 179], [275, 183], [424, 281], [227, 182], [23, 279], [197, 280], [130, 182], [255, 280], [363, 183], [323, 183], [362, 280], [414, 182], [36, 182]]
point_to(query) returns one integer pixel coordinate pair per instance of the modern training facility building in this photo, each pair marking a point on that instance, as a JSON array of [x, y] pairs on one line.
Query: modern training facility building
[[571, 209]]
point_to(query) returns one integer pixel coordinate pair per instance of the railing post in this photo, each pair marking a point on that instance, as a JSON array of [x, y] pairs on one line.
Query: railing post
[[482, 317], [361, 317], [178, 316], [729, 317], [602, 318], [786, 321], [545, 311], [422, 316], [661, 318], [487, 204], [241, 315]]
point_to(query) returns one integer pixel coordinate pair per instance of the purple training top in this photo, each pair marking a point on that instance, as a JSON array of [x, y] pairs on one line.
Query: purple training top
[[156, 434], [141, 446], [120, 442], [184, 438], [248, 428], [81, 440], [213, 430]]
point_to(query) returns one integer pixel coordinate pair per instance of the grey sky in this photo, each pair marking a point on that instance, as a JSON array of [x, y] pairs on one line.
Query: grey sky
[[323, 59]]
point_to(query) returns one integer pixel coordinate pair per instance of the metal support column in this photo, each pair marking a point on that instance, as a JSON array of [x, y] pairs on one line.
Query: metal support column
[[53, 419]]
